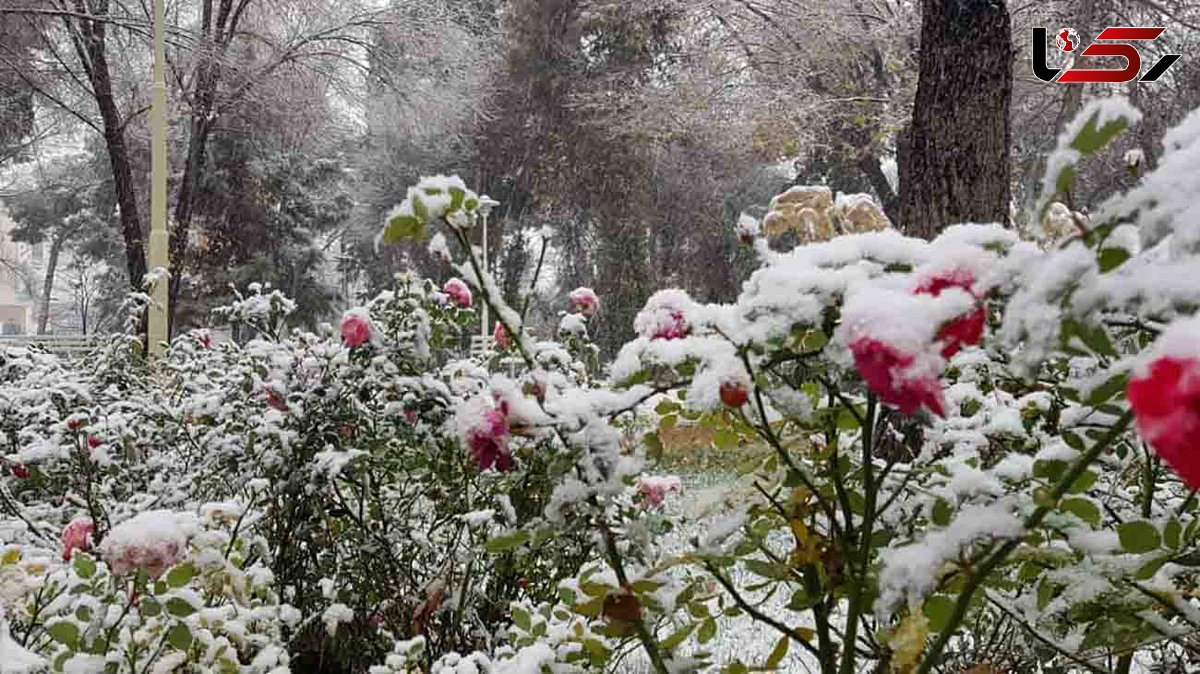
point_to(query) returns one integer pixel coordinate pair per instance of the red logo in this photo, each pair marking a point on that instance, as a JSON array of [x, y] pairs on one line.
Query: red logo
[[1112, 41]]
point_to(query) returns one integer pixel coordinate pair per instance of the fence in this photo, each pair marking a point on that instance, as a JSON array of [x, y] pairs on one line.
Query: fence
[[63, 345]]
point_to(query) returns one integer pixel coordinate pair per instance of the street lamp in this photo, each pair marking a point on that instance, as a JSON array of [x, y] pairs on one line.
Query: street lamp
[[157, 262]]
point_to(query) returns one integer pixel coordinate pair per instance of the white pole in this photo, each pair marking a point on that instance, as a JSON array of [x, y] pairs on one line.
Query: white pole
[[157, 321], [483, 326]]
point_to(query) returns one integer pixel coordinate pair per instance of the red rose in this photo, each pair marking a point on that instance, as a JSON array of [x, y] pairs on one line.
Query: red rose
[[74, 424], [18, 470], [94, 441], [733, 394], [356, 328], [1166, 405], [890, 375], [966, 329]]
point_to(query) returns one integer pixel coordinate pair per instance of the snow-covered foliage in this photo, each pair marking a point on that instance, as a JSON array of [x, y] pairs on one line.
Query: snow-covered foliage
[[962, 433], [250, 507], [951, 445]]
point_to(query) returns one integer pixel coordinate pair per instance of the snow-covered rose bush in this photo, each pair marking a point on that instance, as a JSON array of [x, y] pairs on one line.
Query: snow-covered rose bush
[[975, 453], [337, 453], [973, 435]]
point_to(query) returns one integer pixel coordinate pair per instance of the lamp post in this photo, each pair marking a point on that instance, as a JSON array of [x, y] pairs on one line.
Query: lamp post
[[486, 204], [157, 262]]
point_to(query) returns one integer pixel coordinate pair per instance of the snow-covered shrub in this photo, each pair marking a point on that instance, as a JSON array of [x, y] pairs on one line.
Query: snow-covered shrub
[[975, 432], [337, 453]]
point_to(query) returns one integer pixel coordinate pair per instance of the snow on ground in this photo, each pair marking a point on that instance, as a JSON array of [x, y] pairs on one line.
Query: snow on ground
[[736, 637]]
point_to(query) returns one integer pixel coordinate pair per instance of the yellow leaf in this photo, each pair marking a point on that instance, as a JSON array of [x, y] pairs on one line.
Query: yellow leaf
[[907, 641]]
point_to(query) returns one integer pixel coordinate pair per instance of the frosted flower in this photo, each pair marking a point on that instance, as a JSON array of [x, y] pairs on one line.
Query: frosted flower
[[500, 336], [356, 328], [484, 430], [77, 535], [458, 292], [438, 247], [152, 541], [664, 315], [573, 324], [897, 377], [747, 228], [965, 329], [584, 301], [654, 488], [1166, 399]]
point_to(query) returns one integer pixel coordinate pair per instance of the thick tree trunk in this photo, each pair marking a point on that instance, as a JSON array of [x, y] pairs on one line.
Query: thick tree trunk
[[954, 164], [48, 285], [118, 151]]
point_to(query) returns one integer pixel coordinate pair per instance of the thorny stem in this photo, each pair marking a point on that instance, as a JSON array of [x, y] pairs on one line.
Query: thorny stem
[[864, 545], [1033, 632], [614, 559], [487, 297], [998, 554], [768, 434], [757, 615]]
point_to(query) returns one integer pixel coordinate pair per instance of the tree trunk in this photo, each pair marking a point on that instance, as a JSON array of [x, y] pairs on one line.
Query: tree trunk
[[204, 96], [48, 284], [114, 140], [954, 164]]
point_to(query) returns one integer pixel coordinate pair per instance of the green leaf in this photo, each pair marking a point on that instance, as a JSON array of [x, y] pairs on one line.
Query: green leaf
[[1092, 137], [802, 601], [938, 608], [1065, 180], [725, 438], [179, 608], [66, 633], [1173, 533], [679, 636], [666, 407], [521, 618], [1147, 570], [419, 209], [85, 566], [402, 227], [509, 541], [181, 575], [767, 569], [456, 198], [1083, 508], [1094, 337], [1111, 258], [708, 630], [1105, 392], [941, 512], [149, 608], [596, 650], [1082, 483], [779, 652], [1138, 536], [1046, 592], [180, 637]]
